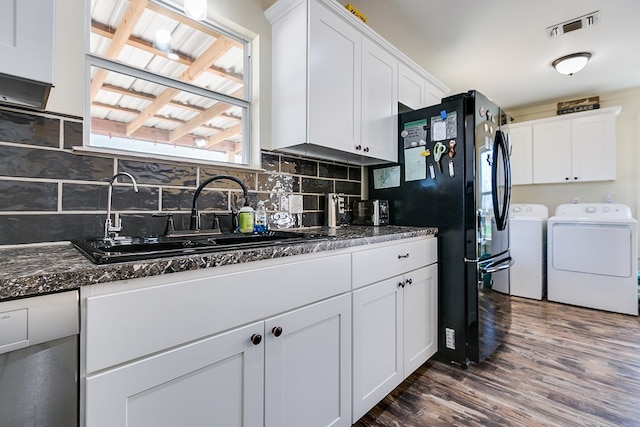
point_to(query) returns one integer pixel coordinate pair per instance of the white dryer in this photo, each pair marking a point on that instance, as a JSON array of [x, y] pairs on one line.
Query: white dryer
[[528, 244], [592, 257]]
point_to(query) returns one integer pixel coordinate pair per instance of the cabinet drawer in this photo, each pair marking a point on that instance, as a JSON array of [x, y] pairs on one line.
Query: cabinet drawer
[[382, 262], [126, 325]]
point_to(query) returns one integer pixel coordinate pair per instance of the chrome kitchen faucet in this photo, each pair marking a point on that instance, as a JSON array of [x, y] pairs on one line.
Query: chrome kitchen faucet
[[111, 231]]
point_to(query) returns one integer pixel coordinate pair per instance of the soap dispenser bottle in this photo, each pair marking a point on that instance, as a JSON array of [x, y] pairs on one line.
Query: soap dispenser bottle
[[262, 225]]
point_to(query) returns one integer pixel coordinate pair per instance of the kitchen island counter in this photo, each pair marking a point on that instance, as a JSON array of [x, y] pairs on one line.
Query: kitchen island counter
[[32, 270]]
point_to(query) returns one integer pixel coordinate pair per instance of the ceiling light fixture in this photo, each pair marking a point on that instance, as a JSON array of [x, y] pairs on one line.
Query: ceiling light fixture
[[571, 64], [196, 9], [200, 142]]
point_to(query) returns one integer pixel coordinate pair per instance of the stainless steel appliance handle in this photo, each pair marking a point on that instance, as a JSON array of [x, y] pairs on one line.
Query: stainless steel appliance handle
[[497, 265]]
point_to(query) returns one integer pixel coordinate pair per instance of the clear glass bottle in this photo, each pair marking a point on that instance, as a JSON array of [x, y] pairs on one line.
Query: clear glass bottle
[[262, 223]]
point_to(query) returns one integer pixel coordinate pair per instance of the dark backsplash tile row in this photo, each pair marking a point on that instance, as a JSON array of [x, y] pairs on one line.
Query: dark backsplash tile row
[[49, 193]]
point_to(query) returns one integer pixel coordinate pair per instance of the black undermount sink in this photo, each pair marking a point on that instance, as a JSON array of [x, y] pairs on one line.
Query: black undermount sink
[[106, 251]]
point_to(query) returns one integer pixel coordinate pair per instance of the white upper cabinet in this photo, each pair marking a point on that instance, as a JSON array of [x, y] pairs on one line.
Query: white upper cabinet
[[333, 92], [552, 152], [415, 90], [27, 51], [26, 39], [521, 147], [335, 84], [379, 102], [580, 147]]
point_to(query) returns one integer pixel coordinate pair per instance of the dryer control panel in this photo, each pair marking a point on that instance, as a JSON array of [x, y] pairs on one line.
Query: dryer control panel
[[594, 210]]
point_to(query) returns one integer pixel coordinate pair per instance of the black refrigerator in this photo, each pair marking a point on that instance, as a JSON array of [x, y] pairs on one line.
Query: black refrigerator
[[454, 174]]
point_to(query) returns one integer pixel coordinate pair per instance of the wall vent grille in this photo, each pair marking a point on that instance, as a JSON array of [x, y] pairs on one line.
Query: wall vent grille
[[585, 21]]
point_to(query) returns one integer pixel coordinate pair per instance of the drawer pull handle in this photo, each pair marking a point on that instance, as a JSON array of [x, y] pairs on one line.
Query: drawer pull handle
[[401, 284], [410, 281], [276, 331], [256, 339], [403, 256]]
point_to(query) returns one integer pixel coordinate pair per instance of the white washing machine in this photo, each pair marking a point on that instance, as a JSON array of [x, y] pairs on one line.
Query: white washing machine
[[592, 257], [528, 244]]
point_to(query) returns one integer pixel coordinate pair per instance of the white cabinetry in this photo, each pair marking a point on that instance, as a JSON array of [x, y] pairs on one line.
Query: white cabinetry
[[307, 366], [416, 91], [521, 147], [26, 39], [379, 102], [335, 84], [27, 51], [203, 348], [394, 318], [580, 147], [215, 381]]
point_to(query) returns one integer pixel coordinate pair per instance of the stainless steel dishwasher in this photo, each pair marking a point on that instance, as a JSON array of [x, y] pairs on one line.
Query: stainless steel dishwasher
[[39, 361]]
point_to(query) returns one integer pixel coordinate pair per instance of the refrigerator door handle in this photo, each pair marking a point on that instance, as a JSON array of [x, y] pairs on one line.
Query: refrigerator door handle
[[495, 265], [501, 207]]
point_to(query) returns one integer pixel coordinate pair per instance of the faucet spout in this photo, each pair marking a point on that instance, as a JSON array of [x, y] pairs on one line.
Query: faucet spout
[[111, 230], [195, 216]]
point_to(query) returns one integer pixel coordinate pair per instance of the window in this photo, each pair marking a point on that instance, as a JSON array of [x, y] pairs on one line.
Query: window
[[162, 85]]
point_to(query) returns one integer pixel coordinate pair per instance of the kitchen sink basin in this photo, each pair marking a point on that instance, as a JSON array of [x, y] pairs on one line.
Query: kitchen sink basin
[[105, 251]]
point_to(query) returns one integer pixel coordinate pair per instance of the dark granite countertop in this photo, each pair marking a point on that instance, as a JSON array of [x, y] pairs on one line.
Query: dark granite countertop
[[32, 270]]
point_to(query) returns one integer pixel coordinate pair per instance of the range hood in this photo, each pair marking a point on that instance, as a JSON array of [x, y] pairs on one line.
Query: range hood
[[23, 92]]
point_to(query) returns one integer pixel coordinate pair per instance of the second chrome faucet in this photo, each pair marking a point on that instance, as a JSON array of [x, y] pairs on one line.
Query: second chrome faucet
[[111, 229]]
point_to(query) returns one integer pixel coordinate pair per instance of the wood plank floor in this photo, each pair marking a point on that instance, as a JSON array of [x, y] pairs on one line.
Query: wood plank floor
[[561, 366]]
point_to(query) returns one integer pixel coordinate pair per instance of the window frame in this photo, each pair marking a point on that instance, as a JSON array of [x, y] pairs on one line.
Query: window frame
[[248, 119]]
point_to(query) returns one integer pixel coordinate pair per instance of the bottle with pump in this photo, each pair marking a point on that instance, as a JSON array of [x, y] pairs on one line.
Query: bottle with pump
[[262, 224]]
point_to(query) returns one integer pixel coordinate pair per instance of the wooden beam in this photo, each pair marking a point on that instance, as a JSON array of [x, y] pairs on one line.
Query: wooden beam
[[147, 46], [158, 136], [227, 133], [215, 51], [218, 109], [119, 40]]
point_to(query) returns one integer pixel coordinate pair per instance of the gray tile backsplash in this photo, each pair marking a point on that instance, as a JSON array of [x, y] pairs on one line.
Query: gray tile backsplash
[[49, 193]]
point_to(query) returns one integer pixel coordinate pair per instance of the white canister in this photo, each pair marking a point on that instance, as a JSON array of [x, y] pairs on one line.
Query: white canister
[[246, 219]]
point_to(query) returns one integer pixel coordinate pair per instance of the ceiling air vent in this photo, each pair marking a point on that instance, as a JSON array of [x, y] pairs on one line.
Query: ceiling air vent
[[584, 21]]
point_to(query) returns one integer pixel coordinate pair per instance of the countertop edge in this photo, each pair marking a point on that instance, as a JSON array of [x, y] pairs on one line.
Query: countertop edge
[[42, 269]]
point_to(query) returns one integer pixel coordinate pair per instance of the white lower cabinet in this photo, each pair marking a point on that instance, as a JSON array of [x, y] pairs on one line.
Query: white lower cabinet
[[308, 366], [216, 381], [297, 365], [313, 340], [266, 344], [395, 323]]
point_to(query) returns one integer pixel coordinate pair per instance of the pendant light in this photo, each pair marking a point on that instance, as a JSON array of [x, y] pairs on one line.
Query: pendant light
[[571, 64], [196, 9]]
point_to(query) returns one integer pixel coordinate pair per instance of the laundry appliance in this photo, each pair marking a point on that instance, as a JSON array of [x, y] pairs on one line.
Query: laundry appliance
[[592, 257], [528, 234], [454, 174]]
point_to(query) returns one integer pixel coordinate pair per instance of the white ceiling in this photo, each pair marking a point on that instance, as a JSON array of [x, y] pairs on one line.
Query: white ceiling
[[501, 48]]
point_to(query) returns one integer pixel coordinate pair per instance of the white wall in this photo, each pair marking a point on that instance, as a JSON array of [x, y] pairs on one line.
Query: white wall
[[624, 189]]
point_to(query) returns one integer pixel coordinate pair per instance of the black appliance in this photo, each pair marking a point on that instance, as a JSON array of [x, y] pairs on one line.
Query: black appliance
[[466, 195]]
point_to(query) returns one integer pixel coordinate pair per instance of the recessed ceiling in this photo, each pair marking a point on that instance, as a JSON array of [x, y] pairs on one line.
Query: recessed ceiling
[[501, 47]]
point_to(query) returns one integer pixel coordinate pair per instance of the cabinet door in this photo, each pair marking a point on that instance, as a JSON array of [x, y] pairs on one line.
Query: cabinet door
[[379, 103], [216, 381], [334, 81], [377, 343], [552, 152], [594, 148], [411, 87], [521, 146], [308, 366], [26, 39], [420, 317]]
